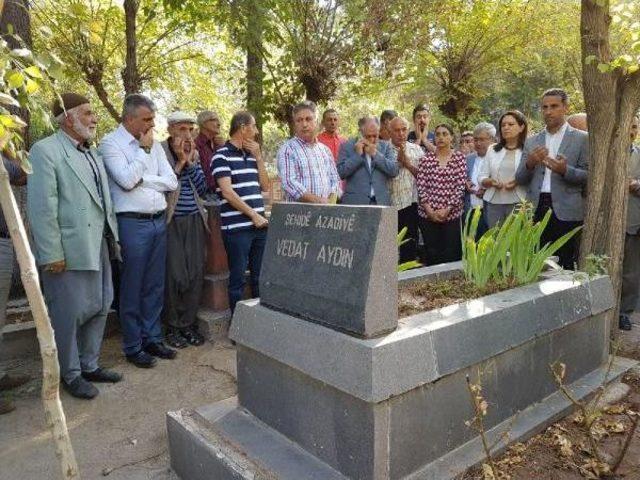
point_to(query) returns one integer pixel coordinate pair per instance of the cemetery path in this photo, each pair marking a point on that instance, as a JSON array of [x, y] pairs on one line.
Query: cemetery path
[[122, 432]]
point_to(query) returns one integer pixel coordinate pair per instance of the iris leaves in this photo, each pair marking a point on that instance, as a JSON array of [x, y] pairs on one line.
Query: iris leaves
[[509, 252]]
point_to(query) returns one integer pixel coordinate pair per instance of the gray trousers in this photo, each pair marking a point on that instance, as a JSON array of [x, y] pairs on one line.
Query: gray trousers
[[497, 212], [78, 303], [630, 274], [6, 272], [185, 270]]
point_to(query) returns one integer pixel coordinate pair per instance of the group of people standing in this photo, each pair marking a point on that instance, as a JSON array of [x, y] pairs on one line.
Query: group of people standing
[[433, 181], [139, 204]]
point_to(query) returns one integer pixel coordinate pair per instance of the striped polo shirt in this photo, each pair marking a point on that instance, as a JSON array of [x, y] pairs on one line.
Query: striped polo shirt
[[242, 168]]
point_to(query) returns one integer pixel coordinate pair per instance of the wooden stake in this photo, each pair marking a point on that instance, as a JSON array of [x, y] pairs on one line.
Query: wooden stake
[[54, 413]]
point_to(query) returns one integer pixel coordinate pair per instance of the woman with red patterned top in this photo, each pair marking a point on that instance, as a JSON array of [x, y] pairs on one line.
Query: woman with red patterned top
[[441, 184]]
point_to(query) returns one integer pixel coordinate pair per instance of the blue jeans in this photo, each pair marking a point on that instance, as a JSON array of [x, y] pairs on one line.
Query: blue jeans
[[244, 250], [144, 252]]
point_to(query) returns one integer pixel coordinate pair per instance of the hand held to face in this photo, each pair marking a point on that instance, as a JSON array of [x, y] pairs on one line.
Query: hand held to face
[[146, 139], [252, 147]]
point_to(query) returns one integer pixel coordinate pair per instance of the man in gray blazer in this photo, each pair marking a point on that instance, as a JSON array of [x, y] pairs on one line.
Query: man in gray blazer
[[554, 169], [74, 229], [631, 263], [366, 164]]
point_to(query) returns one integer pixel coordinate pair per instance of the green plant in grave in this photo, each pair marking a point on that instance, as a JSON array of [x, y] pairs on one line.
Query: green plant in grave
[[400, 240], [509, 253]]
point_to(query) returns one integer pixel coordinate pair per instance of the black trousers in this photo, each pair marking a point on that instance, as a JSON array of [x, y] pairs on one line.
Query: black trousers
[[408, 217], [441, 241], [556, 228]]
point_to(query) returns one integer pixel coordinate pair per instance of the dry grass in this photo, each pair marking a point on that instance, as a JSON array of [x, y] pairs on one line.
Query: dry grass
[[422, 297]]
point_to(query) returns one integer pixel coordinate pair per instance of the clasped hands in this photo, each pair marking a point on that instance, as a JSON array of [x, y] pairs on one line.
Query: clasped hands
[[477, 191], [437, 216], [362, 146], [540, 155]]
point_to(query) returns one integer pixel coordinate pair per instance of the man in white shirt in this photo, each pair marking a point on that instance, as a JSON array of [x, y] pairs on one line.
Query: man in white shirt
[[139, 177], [554, 169], [484, 134]]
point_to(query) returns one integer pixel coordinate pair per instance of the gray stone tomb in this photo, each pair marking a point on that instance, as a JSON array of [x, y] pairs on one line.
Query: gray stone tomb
[[333, 265], [337, 390]]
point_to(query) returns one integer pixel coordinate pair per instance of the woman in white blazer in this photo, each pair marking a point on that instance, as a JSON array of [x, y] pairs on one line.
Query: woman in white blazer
[[498, 170]]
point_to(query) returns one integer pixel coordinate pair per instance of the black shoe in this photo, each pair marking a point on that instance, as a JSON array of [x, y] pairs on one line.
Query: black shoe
[[142, 360], [80, 388], [192, 336], [102, 375], [160, 351], [174, 339], [624, 322]]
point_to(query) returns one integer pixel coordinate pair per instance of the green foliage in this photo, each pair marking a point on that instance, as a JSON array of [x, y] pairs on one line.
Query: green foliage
[[400, 240], [23, 76], [625, 39], [509, 253]]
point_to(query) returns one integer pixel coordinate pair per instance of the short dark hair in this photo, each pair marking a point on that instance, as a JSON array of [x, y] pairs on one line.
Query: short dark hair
[[447, 126], [522, 120], [134, 101], [239, 120], [305, 105], [557, 92], [328, 111], [387, 115], [421, 107]]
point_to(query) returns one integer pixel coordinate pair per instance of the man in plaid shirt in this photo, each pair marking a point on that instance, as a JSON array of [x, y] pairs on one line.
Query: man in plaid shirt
[[305, 165]]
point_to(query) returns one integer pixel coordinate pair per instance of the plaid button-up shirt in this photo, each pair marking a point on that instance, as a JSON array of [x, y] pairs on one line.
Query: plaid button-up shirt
[[307, 168], [403, 188]]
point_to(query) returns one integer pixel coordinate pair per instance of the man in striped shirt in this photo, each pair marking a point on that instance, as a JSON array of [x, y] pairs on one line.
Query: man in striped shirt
[[306, 166], [240, 175], [186, 235]]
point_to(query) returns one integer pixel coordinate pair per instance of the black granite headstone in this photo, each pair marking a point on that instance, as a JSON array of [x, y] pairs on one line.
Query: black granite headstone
[[334, 265]]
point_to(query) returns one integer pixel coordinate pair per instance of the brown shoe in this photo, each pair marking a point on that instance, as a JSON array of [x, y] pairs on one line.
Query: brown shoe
[[9, 382], [6, 406]]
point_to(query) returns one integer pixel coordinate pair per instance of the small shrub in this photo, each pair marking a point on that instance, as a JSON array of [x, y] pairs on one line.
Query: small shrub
[[509, 252]]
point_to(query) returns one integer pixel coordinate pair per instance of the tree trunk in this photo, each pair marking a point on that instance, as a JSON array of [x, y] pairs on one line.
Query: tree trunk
[[611, 100], [255, 72], [103, 96], [54, 413], [16, 14], [130, 73]]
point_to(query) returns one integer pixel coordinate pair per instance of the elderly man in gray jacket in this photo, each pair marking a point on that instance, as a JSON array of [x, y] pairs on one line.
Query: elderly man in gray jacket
[[74, 229], [366, 163], [631, 263], [554, 169]]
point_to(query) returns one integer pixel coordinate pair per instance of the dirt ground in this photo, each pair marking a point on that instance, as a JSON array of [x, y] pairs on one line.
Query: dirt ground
[[559, 452], [121, 434]]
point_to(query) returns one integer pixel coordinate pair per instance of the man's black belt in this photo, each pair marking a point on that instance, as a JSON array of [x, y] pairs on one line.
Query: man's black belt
[[141, 216]]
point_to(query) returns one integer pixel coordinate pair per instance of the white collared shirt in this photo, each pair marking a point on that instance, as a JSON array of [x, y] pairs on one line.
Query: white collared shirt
[[475, 171], [552, 141], [127, 164], [372, 193]]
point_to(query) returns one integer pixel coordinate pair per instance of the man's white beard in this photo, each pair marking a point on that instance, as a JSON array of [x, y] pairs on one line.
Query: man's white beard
[[82, 130]]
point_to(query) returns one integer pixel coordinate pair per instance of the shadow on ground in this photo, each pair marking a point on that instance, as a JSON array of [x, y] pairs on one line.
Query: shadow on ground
[[121, 434]]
